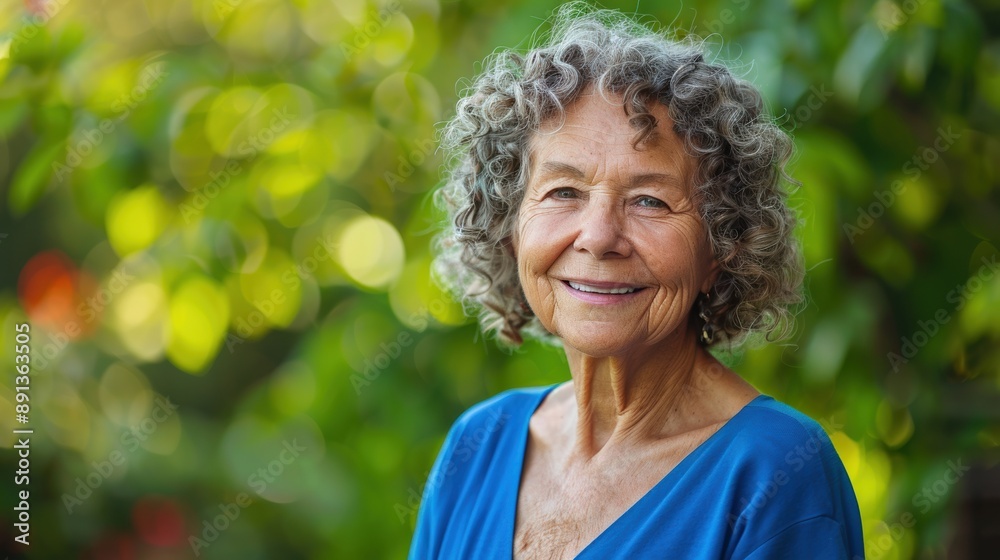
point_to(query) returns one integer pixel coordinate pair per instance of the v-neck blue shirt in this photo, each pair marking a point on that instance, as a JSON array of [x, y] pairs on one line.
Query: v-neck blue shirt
[[767, 485]]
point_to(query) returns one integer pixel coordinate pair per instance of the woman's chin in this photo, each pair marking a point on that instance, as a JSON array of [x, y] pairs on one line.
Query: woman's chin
[[600, 340], [599, 343]]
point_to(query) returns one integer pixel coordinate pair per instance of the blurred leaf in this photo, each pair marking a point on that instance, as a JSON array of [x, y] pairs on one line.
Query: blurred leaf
[[12, 112], [32, 176]]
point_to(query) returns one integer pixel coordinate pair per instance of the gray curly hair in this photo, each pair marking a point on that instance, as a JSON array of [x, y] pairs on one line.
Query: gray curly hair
[[721, 119]]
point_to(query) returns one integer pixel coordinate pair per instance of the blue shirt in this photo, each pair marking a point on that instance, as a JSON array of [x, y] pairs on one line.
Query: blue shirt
[[767, 485]]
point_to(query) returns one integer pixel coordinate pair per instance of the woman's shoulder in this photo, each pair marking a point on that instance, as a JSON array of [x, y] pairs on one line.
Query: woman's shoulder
[[490, 423], [516, 402], [777, 454], [785, 474], [773, 422], [771, 435], [484, 431]]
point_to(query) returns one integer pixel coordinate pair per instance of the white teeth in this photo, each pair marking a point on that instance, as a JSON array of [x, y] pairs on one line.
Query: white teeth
[[586, 288]]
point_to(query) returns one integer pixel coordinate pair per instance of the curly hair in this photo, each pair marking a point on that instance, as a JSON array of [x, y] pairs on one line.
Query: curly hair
[[721, 119]]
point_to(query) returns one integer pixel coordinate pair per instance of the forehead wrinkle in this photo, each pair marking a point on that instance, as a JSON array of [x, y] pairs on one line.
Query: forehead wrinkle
[[654, 178], [561, 169]]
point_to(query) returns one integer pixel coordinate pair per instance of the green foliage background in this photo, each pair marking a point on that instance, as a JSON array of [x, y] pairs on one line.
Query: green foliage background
[[244, 230]]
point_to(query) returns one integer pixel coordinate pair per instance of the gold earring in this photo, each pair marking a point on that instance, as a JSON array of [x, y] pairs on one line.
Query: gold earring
[[708, 329]]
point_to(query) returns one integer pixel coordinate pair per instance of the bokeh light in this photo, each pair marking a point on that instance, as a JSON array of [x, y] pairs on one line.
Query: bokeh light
[[371, 251]]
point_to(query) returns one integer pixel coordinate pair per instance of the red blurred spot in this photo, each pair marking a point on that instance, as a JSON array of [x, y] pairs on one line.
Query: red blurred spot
[[59, 297], [159, 521], [47, 289]]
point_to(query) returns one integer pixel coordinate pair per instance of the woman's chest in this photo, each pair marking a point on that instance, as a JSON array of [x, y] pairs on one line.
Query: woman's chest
[[556, 521], [559, 515]]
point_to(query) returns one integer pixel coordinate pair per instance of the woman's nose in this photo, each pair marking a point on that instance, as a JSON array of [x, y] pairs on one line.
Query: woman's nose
[[602, 229]]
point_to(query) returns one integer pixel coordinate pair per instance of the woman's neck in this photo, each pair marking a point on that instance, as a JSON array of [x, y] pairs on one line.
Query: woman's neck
[[649, 395]]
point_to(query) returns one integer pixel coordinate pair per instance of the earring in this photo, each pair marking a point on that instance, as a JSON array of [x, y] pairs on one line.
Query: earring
[[708, 329]]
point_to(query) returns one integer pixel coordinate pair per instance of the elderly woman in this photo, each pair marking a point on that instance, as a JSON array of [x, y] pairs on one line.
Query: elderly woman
[[614, 192]]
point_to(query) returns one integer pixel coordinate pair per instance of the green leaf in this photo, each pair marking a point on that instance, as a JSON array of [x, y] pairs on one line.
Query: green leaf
[[32, 176], [12, 112]]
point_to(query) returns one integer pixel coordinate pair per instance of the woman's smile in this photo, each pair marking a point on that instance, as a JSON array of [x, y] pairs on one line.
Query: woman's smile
[[602, 293]]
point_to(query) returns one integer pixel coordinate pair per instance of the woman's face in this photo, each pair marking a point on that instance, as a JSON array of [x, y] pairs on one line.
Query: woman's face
[[599, 217]]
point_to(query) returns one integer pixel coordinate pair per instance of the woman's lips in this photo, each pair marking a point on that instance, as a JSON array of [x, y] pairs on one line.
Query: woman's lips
[[597, 297]]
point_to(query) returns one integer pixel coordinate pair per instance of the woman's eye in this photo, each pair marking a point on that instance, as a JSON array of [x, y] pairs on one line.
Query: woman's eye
[[564, 192], [650, 202]]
